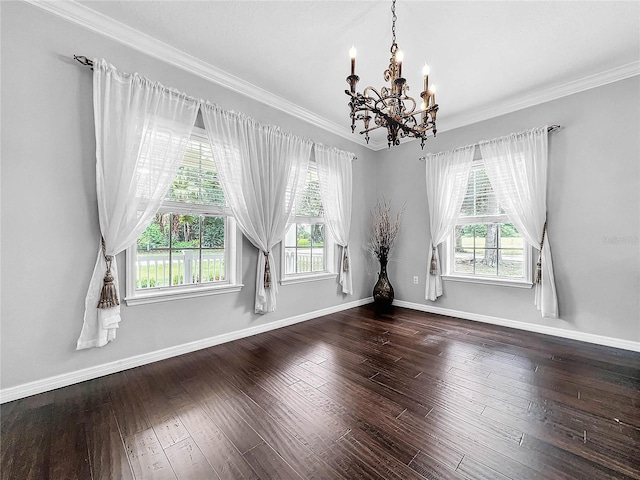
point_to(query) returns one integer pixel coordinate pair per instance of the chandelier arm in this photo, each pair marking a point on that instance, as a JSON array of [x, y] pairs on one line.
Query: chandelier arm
[[371, 89], [384, 105], [406, 122], [411, 100], [370, 129], [361, 99], [431, 109]]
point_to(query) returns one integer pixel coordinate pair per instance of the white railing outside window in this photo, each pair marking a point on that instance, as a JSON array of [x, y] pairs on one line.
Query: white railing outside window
[[303, 262], [153, 271]]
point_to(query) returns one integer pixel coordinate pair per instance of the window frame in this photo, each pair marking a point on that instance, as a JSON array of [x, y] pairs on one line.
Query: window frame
[[449, 272], [329, 255], [330, 269], [233, 255]]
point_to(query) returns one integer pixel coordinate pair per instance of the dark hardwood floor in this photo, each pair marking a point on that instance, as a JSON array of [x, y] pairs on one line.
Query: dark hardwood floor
[[405, 395]]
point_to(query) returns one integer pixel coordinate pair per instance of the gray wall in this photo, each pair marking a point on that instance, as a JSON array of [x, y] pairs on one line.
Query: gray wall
[[49, 226], [593, 197], [49, 210]]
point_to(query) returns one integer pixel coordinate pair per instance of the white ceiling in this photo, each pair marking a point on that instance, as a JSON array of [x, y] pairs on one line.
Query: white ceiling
[[487, 58]]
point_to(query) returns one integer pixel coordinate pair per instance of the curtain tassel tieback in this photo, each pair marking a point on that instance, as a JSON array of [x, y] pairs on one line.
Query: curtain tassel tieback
[[108, 295], [267, 271], [433, 267], [539, 264], [345, 259]]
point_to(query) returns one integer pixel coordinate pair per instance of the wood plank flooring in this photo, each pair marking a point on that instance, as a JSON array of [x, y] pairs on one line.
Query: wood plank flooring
[[353, 395]]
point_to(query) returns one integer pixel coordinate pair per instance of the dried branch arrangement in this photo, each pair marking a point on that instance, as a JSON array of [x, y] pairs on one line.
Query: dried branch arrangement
[[384, 230]]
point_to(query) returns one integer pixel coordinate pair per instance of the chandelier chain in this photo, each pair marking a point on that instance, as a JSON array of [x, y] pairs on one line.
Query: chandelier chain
[[393, 22]]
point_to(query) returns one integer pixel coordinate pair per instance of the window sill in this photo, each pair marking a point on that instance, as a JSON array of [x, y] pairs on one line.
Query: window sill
[[180, 293], [307, 278], [503, 282]]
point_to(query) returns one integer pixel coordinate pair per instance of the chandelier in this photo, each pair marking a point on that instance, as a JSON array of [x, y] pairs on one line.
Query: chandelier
[[391, 107]]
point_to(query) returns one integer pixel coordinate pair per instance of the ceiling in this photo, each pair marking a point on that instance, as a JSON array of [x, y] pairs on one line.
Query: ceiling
[[487, 58]]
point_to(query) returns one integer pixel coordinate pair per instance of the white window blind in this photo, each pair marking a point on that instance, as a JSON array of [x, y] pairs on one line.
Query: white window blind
[[196, 188], [310, 202], [479, 201]]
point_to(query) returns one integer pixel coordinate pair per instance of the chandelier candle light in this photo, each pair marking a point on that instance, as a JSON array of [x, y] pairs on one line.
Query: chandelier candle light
[[392, 108]]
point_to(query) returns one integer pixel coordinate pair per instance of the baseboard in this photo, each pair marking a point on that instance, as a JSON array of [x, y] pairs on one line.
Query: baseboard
[[530, 327], [58, 381]]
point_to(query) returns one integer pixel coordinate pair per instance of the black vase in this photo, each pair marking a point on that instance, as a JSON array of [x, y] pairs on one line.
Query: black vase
[[383, 291]]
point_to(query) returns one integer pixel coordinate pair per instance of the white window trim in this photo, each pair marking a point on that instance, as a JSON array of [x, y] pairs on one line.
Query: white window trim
[[448, 254], [233, 243], [331, 271], [502, 282], [525, 282], [309, 277], [180, 293]]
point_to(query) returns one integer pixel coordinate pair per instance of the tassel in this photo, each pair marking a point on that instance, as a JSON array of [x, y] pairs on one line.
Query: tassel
[[539, 264], [433, 268], [267, 271], [345, 260], [108, 295]]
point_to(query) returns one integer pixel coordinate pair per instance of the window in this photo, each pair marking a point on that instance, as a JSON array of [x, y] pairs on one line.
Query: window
[[308, 244], [190, 247], [484, 246]]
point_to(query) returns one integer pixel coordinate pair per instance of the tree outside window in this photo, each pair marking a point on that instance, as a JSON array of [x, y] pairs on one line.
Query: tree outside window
[[485, 242]]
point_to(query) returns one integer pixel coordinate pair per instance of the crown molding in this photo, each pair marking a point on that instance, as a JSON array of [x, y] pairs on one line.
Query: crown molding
[[121, 33], [553, 93], [106, 26]]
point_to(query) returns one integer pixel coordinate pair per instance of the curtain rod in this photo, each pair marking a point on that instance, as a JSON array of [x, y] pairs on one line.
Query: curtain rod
[[83, 60], [89, 63], [550, 129]]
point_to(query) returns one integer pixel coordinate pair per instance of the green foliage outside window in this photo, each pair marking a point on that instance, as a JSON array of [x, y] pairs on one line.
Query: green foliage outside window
[[184, 231], [308, 235]]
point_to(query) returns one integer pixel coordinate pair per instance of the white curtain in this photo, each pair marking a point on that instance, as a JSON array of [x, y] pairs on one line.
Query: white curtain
[[447, 179], [262, 171], [516, 166], [336, 187], [142, 129]]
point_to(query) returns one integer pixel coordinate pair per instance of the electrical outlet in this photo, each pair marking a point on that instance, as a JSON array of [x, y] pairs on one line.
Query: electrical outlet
[[415, 280]]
